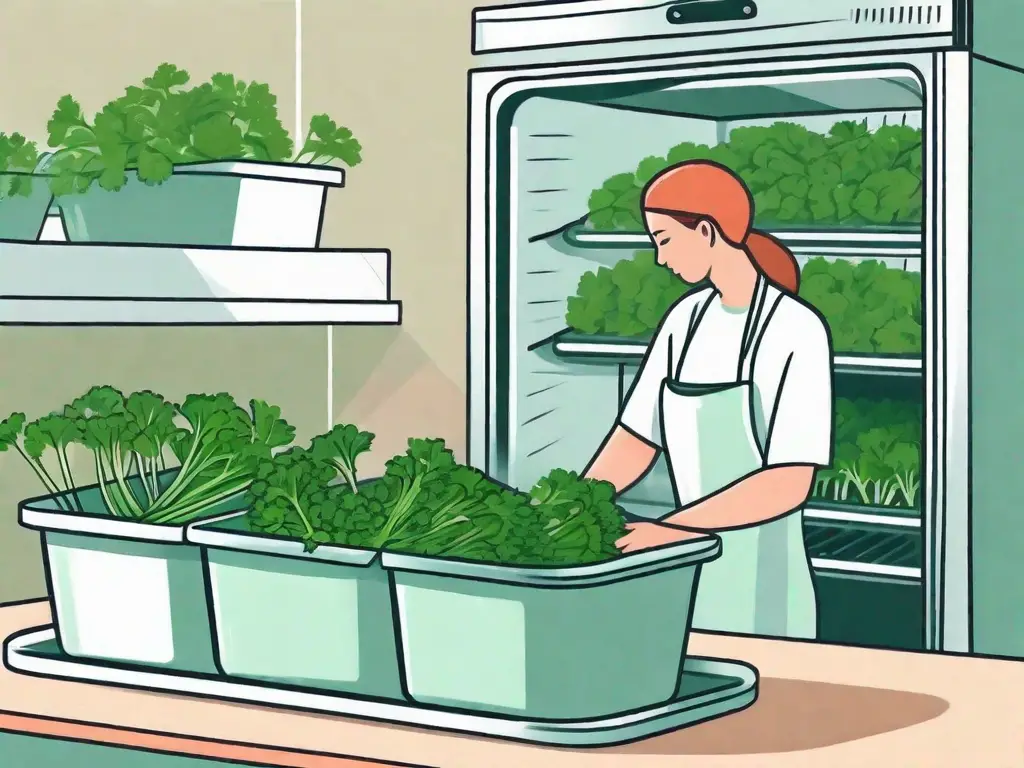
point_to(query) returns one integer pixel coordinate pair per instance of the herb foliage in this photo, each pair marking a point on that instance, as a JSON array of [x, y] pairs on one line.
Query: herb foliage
[[165, 122]]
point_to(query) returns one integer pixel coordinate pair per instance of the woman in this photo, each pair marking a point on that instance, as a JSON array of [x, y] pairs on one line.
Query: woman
[[736, 389]]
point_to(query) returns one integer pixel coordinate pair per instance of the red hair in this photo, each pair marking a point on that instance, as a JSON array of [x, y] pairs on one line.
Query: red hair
[[701, 190]]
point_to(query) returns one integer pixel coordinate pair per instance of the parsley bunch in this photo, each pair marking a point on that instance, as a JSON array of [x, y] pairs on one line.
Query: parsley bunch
[[218, 446], [426, 503], [164, 122]]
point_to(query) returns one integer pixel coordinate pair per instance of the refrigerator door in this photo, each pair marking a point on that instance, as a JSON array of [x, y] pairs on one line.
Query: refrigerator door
[[708, 25]]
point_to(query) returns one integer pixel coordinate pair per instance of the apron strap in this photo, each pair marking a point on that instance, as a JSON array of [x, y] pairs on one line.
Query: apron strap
[[751, 325], [760, 316], [695, 318]]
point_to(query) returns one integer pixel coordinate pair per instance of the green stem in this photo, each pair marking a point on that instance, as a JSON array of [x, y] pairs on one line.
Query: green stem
[[348, 475], [64, 473], [859, 484], [432, 535], [118, 471], [167, 496], [154, 475], [205, 502], [62, 456], [203, 490], [302, 515], [101, 477], [187, 473], [467, 538], [140, 464], [302, 148], [42, 474], [400, 511], [149, 476]]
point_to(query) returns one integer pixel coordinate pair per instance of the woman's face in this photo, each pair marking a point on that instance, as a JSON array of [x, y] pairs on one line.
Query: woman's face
[[685, 251]]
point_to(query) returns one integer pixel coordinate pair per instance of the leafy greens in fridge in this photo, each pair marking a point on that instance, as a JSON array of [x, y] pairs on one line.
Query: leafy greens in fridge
[[870, 308], [627, 299], [164, 122], [877, 454], [851, 176]]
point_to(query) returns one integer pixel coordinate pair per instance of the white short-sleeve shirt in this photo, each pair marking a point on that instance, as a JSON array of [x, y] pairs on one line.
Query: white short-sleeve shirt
[[791, 373]]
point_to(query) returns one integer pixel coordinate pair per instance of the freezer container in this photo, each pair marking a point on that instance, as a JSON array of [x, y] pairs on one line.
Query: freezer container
[[547, 643], [122, 590], [238, 203], [320, 620]]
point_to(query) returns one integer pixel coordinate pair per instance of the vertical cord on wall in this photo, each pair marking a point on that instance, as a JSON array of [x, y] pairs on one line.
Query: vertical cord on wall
[[330, 377], [299, 134], [299, 129]]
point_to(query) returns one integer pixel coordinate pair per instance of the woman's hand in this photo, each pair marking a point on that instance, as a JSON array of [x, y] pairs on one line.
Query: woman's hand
[[649, 535]]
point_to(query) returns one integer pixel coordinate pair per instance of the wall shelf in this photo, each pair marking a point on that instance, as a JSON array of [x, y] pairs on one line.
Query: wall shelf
[[104, 284]]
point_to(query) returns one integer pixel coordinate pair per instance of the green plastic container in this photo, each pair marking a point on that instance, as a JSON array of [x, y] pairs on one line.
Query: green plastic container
[[547, 644], [121, 590], [317, 620], [22, 215], [236, 203]]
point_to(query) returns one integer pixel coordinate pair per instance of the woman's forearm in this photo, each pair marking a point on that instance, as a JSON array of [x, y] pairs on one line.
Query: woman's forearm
[[758, 498], [622, 460]]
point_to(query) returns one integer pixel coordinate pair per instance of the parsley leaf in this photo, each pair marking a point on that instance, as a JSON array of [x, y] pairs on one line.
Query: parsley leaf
[[18, 158], [328, 140]]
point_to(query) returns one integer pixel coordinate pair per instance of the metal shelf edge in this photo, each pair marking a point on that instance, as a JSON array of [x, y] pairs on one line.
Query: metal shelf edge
[[892, 243], [179, 312], [897, 520], [633, 350], [867, 569]]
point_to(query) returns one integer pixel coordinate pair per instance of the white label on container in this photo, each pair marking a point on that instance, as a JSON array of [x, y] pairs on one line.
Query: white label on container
[[289, 625], [119, 605], [463, 649], [277, 214]]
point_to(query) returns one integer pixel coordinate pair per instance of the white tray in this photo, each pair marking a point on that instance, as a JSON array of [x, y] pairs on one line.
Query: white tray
[[709, 688]]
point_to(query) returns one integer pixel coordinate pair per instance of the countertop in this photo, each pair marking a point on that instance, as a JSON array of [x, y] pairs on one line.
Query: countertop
[[819, 705]]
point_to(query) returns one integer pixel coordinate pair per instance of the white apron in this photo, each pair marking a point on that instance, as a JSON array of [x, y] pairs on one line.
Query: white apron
[[762, 583]]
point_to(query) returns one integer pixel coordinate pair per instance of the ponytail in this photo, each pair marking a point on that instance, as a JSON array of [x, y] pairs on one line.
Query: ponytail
[[774, 260]]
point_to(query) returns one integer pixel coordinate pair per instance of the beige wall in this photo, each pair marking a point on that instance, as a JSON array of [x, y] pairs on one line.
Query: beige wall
[[395, 73]]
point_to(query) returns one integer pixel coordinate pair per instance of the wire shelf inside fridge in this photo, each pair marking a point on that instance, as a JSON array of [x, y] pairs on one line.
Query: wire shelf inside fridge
[[608, 349], [864, 550], [862, 242]]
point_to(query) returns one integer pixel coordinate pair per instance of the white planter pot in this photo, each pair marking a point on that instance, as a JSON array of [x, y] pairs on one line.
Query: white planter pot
[[236, 203]]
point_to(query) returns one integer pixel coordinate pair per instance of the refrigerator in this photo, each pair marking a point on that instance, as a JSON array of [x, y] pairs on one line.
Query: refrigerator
[[872, 136]]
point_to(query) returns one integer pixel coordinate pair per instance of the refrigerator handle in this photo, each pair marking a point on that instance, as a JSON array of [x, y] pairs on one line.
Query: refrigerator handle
[[705, 11]]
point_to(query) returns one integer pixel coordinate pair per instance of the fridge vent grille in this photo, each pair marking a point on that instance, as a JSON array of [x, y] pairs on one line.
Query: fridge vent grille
[[898, 14]]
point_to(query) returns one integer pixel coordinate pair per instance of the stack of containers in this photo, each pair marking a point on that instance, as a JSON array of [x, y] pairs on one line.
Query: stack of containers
[[215, 598], [514, 641]]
